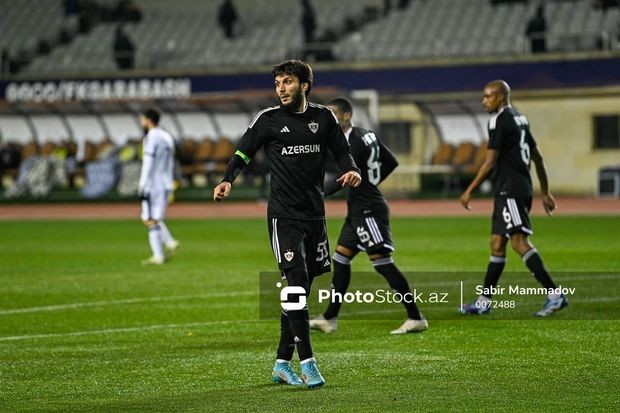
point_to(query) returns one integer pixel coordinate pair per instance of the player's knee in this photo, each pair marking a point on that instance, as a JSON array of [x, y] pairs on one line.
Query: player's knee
[[498, 246], [150, 223], [378, 256], [520, 243], [344, 251]]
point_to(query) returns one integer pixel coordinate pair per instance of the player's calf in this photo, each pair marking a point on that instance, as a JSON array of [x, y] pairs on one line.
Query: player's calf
[[156, 244]]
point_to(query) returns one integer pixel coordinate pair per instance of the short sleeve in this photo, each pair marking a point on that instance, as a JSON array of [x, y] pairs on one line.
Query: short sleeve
[[253, 138], [495, 132], [530, 138]]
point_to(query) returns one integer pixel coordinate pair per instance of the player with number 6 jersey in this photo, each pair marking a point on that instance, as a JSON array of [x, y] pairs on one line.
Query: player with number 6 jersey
[[367, 225], [510, 150]]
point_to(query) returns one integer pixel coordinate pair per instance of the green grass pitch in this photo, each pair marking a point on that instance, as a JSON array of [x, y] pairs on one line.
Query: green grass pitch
[[83, 327]]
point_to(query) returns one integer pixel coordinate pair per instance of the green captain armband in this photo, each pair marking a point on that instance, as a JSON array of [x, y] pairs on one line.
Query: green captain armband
[[235, 166], [243, 156]]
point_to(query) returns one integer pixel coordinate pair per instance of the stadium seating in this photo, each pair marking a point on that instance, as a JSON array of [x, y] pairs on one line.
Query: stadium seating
[[39, 19], [443, 155], [479, 157], [453, 165], [475, 27], [185, 34], [205, 159]]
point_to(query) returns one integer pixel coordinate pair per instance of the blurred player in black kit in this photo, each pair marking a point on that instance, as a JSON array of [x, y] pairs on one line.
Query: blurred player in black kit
[[296, 136], [510, 150], [367, 225]]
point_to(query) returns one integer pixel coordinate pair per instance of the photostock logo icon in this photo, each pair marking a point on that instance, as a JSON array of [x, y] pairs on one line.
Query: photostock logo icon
[[292, 297]]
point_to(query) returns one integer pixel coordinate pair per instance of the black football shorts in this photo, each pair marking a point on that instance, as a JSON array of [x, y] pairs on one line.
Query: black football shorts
[[300, 243], [368, 233], [511, 215]]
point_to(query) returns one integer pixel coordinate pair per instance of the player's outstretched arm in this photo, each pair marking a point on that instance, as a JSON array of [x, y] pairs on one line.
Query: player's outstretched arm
[[221, 191], [541, 172], [483, 173]]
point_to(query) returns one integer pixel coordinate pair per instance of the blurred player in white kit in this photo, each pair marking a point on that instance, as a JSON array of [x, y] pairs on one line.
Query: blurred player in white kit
[[156, 185]]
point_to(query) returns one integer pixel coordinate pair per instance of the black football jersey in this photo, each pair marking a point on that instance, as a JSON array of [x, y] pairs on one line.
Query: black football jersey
[[375, 161], [296, 145], [509, 134]]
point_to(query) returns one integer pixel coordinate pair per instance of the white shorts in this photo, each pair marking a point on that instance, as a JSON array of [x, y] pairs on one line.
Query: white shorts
[[154, 209]]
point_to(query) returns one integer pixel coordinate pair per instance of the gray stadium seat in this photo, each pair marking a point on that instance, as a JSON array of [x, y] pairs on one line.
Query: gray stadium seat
[[185, 33]]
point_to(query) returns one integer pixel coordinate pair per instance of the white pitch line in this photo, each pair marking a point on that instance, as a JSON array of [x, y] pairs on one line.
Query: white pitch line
[[123, 330], [208, 323], [60, 307]]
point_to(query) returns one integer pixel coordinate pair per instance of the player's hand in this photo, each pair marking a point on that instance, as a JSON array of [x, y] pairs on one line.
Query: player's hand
[[144, 196], [465, 199], [351, 178], [221, 191], [549, 204]]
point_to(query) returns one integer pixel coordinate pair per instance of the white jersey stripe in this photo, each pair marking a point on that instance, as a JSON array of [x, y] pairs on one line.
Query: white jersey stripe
[[372, 230], [376, 234], [512, 205], [514, 219], [316, 105], [374, 223], [258, 115], [275, 243], [278, 242], [516, 210]]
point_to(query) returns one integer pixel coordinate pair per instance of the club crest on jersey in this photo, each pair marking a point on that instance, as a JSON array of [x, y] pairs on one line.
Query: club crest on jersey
[[289, 255], [314, 126]]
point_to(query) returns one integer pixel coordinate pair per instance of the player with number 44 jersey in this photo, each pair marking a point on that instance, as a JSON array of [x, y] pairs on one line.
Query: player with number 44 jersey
[[510, 150]]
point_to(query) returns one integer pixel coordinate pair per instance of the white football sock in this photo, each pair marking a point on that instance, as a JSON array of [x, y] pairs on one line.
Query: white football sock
[[166, 236], [155, 241]]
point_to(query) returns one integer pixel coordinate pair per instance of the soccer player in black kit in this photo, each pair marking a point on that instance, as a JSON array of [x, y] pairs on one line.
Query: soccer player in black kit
[[367, 225], [295, 136], [511, 147]]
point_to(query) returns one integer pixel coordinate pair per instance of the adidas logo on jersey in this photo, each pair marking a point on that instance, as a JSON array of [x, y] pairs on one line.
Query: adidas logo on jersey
[[285, 129]]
